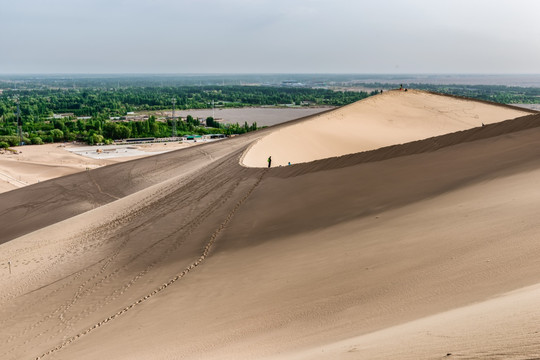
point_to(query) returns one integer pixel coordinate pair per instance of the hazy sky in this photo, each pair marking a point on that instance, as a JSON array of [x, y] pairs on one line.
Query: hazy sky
[[269, 36]]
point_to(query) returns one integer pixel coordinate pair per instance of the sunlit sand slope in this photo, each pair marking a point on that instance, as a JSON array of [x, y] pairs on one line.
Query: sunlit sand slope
[[393, 117]]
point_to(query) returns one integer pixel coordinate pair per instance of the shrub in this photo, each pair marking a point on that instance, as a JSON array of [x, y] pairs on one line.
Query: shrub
[[37, 140], [11, 140], [57, 134]]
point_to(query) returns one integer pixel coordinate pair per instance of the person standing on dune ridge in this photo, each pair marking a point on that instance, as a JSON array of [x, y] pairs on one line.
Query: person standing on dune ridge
[[269, 161]]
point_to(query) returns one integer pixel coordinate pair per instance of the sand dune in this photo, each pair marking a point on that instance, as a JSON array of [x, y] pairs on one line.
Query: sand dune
[[427, 249], [394, 117]]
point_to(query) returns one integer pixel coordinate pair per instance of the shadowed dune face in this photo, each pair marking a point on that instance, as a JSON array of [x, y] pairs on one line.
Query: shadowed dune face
[[394, 117], [398, 252]]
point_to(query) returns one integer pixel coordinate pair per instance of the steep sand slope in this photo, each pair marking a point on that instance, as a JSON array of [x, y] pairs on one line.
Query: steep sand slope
[[51, 201], [190, 255], [394, 117], [265, 297]]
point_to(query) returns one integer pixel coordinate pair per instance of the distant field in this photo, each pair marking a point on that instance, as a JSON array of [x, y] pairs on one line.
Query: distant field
[[529, 106], [262, 116]]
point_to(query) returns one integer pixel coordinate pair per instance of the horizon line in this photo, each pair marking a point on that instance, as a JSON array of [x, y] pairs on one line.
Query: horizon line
[[265, 73]]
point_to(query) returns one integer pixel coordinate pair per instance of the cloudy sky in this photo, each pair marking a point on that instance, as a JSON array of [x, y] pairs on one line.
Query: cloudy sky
[[270, 36]]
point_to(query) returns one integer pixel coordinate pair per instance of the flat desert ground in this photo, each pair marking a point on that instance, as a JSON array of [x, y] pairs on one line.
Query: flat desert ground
[[405, 229]]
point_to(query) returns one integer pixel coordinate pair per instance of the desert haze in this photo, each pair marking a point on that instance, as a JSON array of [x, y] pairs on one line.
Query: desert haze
[[406, 228]]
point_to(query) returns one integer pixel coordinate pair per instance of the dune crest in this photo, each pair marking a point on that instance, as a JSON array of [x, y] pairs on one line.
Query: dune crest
[[394, 117]]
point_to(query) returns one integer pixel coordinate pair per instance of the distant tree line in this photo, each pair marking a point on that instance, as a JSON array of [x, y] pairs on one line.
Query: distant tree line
[[40, 103], [102, 131], [496, 93], [37, 107]]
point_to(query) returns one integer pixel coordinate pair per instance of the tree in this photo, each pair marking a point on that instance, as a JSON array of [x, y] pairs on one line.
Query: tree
[[36, 140], [122, 131], [70, 136], [90, 140], [116, 131], [57, 134], [11, 140], [97, 139], [210, 122]]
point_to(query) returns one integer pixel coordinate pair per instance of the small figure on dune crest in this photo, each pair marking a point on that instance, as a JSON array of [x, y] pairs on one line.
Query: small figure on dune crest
[[269, 161]]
